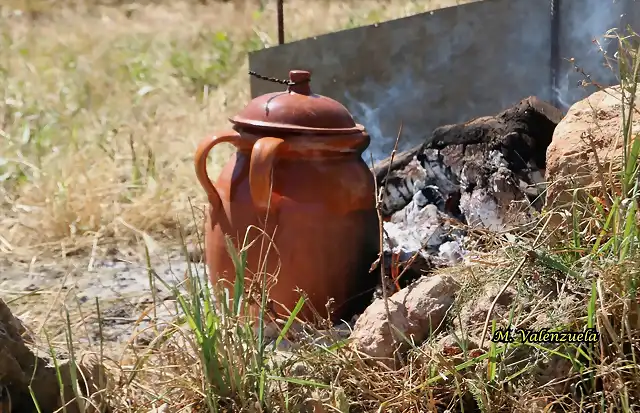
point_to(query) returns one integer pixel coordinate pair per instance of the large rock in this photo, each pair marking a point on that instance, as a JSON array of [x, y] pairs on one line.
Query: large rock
[[586, 145], [21, 368], [415, 311]]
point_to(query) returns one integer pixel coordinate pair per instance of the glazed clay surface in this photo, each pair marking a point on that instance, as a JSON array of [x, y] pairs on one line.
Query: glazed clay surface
[[308, 188]]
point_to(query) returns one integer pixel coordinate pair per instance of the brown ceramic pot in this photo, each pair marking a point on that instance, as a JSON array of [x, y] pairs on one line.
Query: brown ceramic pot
[[297, 168]]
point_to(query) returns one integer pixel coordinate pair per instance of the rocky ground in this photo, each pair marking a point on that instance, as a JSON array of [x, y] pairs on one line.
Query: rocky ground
[[484, 176]]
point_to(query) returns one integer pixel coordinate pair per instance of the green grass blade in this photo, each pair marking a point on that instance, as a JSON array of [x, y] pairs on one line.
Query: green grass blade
[[290, 320]]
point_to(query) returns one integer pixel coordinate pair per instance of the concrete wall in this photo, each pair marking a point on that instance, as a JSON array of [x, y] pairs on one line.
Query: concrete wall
[[445, 66]]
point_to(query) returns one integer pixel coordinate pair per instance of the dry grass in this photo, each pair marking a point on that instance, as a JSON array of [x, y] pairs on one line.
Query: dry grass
[[101, 107], [162, 364]]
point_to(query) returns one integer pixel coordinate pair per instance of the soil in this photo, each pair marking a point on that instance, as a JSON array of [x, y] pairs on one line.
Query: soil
[[122, 286]]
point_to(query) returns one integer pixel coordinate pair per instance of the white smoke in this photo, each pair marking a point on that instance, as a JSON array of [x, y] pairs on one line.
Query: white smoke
[[584, 25], [386, 101], [380, 107]]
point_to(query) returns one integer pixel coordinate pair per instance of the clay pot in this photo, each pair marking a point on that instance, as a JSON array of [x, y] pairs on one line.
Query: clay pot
[[297, 170]]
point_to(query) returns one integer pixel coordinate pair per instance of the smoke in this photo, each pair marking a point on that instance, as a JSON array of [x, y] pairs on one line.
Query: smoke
[[369, 116], [584, 25], [475, 72], [382, 117]]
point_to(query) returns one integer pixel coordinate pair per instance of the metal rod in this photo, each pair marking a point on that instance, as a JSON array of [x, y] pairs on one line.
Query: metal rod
[[555, 52], [280, 21]]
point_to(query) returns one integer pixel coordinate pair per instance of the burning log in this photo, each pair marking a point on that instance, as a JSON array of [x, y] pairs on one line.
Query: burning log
[[485, 173]]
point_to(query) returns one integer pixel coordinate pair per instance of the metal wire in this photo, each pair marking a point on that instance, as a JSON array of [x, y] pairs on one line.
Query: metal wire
[[275, 80]]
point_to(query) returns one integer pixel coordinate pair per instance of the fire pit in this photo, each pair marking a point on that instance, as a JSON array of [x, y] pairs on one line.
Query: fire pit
[[486, 173]]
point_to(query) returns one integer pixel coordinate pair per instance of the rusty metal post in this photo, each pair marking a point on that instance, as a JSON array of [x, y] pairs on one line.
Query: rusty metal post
[[555, 53], [280, 21]]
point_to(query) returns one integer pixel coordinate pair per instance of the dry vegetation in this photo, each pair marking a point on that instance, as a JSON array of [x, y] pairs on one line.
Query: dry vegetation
[[102, 105]]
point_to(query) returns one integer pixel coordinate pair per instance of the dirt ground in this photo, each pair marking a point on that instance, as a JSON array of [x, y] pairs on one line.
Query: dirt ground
[[107, 298], [100, 111]]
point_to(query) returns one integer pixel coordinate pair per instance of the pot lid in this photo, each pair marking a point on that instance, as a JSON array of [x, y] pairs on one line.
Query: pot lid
[[296, 109]]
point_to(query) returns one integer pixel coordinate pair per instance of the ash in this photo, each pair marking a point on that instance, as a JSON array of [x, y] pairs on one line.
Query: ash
[[487, 174]]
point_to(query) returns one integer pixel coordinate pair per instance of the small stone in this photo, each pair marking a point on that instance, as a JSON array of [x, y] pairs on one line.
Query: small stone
[[450, 252], [300, 370], [456, 342], [474, 312], [415, 311], [194, 253], [160, 409]]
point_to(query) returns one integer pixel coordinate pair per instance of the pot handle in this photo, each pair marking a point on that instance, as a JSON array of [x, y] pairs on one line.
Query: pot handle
[[200, 161], [263, 157]]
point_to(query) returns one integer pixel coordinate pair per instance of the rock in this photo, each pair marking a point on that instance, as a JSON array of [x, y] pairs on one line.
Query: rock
[[194, 253], [416, 311], [487, 173], [300, 334], [21, 368], [590, 134], [455, 347], [452, 344], [161, 409], [474, 312], [15, 322]]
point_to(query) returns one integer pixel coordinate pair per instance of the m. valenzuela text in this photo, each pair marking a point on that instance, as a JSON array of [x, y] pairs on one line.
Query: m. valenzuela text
[[510, 335]]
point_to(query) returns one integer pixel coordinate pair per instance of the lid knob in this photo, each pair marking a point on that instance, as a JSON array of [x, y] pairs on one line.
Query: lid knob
[[300, 82], [296, 110]]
